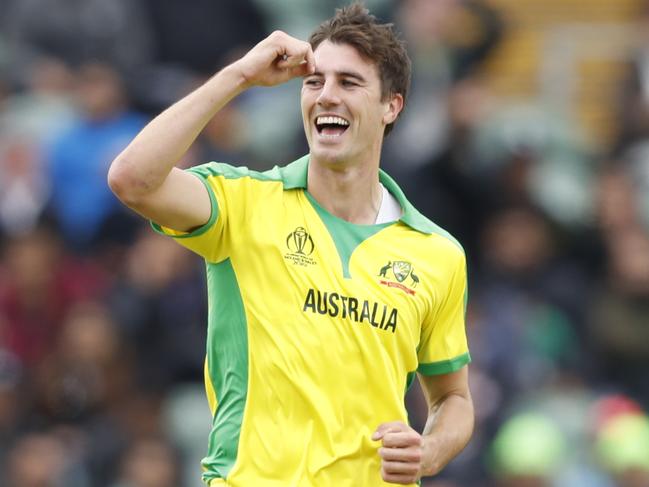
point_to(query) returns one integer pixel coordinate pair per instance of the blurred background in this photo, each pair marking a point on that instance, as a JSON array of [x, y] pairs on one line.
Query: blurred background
[[526, 136]]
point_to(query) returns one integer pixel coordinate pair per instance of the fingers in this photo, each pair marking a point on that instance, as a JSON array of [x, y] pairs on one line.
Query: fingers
[[399, 472], [401, 452], [407, 454], [392, 426], [403, 479], [402, 439], [275, 60], [298, 58], [310, 60], [297, 71]]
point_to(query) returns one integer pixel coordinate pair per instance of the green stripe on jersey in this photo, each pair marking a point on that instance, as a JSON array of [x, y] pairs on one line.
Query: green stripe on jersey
[[445, 366], [347, 236], [227, 364]]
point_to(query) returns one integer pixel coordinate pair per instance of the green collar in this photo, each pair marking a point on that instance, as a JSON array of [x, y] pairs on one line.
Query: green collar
[[294, 176]]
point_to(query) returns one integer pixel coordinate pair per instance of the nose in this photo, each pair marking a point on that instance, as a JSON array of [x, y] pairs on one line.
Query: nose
[[328, 94]]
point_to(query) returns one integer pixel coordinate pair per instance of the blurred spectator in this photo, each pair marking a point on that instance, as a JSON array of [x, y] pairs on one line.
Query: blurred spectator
[[225, 138], [76, 32], [623, 447], [186, 417], [633, 106], [546, 444], [447, 41], [81, 201], [203, 36], [636, 165], [149, 462], [38, 285], [45, 459], [45, 105], [527, 301], [532, 152], [528, 451], [24, 188], [616, 203], [449, 189], [619, 317], [190, 41], [11, 400], [87, 370], [160, 304], [29, 121]]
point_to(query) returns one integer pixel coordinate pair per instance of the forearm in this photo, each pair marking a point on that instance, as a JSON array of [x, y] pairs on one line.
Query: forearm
[[145, 163], [447, 431]]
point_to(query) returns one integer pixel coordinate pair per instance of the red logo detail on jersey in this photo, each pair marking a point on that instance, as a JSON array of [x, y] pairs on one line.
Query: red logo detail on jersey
[[399, 285], [400, 271]]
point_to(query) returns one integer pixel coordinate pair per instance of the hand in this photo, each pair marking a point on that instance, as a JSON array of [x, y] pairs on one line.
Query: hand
[[401, 452], [275, 60]]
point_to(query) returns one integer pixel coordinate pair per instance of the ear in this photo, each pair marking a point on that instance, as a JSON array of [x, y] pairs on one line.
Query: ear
[[392, 108]]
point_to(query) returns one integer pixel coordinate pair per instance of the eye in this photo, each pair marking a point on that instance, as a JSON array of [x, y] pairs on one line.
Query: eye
[[349, 83], [312, 82]]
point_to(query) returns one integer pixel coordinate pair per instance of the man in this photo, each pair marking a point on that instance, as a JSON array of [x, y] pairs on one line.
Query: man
[[311, 348]]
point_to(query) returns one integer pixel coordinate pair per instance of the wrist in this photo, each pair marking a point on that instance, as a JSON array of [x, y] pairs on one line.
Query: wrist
[[429, 461], [237, 77]]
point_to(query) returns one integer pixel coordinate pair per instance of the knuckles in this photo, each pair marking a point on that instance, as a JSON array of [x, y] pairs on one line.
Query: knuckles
[[281, 37], [278, 35]]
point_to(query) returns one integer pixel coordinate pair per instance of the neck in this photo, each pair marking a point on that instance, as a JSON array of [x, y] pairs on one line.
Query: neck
[[352, 193]]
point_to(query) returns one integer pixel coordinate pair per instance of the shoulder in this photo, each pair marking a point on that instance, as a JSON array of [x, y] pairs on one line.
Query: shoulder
[[433, 240], [442, 242], [228, 171]]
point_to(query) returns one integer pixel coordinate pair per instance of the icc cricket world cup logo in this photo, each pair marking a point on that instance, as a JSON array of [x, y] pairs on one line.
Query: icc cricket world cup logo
[[300, 242]]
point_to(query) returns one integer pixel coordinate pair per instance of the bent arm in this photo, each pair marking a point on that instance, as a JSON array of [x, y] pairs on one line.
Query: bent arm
[[144, 175], [450, 418]]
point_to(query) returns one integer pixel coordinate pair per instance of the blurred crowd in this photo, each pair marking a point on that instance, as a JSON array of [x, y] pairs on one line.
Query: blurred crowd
[[102, 322]]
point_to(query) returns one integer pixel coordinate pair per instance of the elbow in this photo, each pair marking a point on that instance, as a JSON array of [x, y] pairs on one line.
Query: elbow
[[123, 182]]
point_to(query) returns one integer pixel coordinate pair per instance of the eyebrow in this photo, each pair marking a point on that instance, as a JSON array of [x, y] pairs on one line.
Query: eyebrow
[[343, 74]]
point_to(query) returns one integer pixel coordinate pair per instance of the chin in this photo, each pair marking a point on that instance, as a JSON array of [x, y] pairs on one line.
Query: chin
[[328, 156]]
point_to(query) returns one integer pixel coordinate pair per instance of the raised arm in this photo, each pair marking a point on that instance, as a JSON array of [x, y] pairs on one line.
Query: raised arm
[[144, 176]]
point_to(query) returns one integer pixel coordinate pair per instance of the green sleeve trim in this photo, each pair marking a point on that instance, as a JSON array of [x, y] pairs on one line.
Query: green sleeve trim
[[214, 212], [445, 366]]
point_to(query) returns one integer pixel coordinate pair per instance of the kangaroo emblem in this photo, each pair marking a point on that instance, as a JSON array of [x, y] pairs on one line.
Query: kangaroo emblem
[[385, 269]]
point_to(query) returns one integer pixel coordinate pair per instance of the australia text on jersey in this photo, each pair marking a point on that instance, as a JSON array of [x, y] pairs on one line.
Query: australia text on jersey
[[351, 308]]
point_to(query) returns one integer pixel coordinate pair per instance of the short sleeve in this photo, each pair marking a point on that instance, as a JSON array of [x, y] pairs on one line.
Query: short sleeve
[[208, 240], [443, 346]]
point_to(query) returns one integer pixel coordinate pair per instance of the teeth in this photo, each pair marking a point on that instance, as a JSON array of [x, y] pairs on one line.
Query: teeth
[[331, 120]]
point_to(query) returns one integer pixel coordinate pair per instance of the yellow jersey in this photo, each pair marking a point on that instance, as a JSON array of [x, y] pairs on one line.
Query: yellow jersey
[[316, 327]]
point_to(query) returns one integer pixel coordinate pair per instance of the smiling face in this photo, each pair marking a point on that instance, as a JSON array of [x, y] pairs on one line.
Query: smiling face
[[343, 114]]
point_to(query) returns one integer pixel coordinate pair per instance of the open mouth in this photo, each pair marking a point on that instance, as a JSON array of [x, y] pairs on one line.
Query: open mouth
[[331, 126]]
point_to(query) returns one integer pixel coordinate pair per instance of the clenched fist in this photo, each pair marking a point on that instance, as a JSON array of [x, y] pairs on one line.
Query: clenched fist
[[401, 452], [275, 60]]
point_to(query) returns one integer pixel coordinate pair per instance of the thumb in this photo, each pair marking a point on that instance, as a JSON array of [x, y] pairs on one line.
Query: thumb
[[380, 432], [289, 60], [300, 70], [388, 427]]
